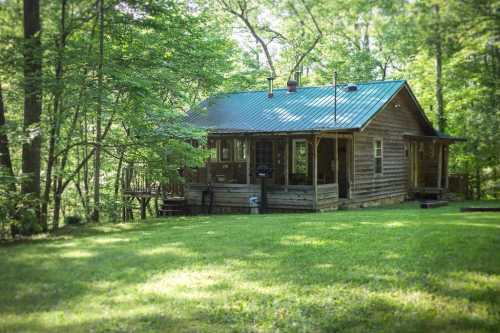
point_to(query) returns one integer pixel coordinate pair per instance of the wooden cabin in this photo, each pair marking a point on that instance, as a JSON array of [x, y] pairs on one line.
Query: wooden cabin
[[324, 147]]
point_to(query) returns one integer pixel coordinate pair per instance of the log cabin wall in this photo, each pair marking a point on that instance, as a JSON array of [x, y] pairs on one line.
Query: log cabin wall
[[389, 125], [234, 197]]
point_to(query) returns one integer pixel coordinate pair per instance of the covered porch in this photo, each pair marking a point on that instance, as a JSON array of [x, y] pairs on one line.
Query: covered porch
[[427, 162], [307, 171]]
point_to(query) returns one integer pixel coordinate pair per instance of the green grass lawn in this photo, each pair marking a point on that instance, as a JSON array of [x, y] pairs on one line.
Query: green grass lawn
[[393, 269]]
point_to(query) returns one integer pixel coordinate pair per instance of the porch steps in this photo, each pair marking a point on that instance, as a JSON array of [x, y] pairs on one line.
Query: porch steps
[[433, 204], [173, 206]]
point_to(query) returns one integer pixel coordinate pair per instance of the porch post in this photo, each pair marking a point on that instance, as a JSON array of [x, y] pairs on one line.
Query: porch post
[[440, 164], [337, 162], [315, 172], [285, 163], [445, 167], [247, 147]]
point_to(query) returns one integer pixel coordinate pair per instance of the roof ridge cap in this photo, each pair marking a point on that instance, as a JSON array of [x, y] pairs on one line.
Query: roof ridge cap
[[310, 87]]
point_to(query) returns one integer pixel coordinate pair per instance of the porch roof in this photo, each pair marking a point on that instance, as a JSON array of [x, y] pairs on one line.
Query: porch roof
[[308, 109], [439, 136]]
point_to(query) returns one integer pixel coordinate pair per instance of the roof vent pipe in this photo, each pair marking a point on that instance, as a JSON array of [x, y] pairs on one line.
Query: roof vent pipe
[[351, 87], [270, 87], [292, 86]]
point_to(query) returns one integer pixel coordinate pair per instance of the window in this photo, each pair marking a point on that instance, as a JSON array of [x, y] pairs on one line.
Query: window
[[212, 150], [377, 153], [300, 156], [240, 151], [225, 150]]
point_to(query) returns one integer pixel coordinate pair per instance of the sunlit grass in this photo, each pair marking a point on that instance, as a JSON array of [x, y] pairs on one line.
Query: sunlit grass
[[393, 269]]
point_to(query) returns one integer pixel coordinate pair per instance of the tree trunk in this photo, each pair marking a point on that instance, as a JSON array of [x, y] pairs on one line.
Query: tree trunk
[[61, 185], [32, 53], [439, 68], [117, 185], [5, 160], [57, 111], [97, 154]]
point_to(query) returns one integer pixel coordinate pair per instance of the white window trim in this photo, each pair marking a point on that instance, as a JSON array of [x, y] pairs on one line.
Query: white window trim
[[294, 142], [375, 156]]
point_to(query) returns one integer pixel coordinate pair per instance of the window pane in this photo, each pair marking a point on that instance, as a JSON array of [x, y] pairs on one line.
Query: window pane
[[225, 150], [378, 148], [301, 157], [212, 150], [239, 150], [378, 165], [377, 154]]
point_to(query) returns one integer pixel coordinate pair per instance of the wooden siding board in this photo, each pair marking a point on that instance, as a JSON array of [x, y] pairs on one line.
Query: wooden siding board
[[236, 195], [390, 124]]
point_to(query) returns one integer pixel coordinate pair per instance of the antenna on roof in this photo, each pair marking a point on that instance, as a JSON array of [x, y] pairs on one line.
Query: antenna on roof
[[335, 95]]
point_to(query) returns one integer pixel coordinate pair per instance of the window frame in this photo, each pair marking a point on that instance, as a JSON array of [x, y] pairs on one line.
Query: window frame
[[213, 150], [235, 151], [375, 157], [294, 155], [221, 148]]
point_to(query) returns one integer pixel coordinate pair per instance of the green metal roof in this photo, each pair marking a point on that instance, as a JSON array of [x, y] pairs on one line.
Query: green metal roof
[[308, 109]]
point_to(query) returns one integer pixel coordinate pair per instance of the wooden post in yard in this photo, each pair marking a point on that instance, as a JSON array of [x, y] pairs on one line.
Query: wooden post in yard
[[337, 162], [143, 208]]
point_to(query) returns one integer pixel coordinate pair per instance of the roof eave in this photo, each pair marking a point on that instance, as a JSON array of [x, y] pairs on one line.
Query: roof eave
[[282, 133]]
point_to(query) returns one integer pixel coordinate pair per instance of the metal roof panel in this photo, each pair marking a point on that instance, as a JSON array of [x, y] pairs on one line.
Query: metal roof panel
[[308, 109]]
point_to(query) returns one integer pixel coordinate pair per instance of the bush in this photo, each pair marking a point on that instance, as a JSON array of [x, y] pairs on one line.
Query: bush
[[26, 224], [73, 220]]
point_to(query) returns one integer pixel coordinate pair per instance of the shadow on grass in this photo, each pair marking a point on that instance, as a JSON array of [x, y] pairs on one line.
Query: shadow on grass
[[370, 270]]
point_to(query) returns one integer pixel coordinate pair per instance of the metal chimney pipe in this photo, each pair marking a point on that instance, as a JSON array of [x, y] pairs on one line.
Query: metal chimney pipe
[[270, 87], [292, 86]]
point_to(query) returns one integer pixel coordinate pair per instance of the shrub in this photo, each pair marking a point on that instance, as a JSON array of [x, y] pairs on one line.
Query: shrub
[[73, 219], [26, 224]]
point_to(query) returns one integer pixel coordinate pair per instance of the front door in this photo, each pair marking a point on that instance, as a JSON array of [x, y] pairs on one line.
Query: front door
[[343, 151]]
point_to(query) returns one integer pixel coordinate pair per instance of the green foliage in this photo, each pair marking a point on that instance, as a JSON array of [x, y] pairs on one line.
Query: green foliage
[[393, 269], [25, 224]]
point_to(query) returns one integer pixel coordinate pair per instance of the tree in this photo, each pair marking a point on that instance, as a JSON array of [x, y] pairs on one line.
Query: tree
[[5, 160], [30, 184], [98, 134], [301, 44], [57, 111]]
